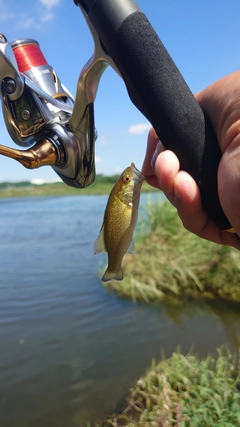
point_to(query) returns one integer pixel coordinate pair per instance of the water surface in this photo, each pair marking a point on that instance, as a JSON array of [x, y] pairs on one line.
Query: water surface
[[69, 350]]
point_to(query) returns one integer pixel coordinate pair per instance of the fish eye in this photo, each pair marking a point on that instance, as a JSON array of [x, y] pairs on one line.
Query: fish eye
[[126, 178]]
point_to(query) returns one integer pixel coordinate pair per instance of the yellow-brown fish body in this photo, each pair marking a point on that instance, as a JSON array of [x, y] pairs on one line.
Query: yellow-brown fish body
[[119, 221]]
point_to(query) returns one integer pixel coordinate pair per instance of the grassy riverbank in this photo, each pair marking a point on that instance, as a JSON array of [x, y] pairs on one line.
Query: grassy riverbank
[[173, 263], [173, 266], [184, 391], [101, 185]]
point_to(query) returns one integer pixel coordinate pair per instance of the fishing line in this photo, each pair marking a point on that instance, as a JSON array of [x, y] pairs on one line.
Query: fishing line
[[28, 55]]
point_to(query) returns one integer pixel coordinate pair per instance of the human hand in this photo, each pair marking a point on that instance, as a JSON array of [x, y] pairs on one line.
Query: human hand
[[221, 102]]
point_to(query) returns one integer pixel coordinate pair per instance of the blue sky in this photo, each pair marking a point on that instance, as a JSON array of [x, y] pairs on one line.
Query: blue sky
[[203, 38]]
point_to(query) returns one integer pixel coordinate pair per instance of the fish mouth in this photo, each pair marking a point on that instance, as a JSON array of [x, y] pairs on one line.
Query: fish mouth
[[138, 175]]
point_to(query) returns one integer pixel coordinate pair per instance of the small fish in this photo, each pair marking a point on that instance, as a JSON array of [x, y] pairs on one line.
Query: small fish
[[119, 221]]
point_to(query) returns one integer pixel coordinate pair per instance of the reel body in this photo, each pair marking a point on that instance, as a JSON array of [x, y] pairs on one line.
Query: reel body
[[38, 109]]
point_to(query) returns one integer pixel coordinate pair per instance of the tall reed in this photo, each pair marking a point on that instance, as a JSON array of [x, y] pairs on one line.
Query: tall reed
[[172, 262]]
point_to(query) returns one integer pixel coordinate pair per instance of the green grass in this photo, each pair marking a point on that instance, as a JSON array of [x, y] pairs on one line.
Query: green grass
[[101, 185], [173, 266], [172, 263], [184, 391]]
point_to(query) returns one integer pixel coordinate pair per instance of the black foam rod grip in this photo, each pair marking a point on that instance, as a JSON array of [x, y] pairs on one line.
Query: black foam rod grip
[[158, 90]]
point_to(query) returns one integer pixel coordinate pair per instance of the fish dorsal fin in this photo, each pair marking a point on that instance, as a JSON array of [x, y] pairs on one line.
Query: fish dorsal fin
[[99, 245], [131, 249]]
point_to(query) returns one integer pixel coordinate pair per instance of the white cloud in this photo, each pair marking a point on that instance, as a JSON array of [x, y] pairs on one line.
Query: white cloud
[[46, 13], [102, 140], [97, 159], [35, 17], [139, 128], [50, 3], [5, 16], [27, 22], [46, 16], [41, 181], [5, 12]]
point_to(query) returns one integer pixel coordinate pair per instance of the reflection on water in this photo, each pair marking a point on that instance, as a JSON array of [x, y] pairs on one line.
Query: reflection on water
[[227, 314], [70, 350]]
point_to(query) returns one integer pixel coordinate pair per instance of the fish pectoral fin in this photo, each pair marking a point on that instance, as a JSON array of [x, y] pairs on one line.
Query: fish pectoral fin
[[131, 249], [99, 245]]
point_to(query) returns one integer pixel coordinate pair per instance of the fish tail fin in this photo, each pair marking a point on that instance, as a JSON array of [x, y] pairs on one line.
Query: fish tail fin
[[112, 275]]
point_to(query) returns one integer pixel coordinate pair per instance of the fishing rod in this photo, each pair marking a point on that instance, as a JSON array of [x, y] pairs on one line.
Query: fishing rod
[[59, 130]]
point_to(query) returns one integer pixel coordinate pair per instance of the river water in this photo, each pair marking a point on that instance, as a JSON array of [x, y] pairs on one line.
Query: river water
[[69, 350]]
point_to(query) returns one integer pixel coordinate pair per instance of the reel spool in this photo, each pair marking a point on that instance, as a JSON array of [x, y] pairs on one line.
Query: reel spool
[[32, 63]]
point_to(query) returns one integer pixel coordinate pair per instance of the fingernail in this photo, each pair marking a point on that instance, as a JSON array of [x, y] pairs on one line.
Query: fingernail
[[153, 161], [155, 154]]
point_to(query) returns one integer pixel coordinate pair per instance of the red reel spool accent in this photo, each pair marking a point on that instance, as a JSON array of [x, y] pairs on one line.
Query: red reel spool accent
[[28, 56]]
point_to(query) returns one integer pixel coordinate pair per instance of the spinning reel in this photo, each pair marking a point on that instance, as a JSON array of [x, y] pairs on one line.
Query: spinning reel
[[41, 114]]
